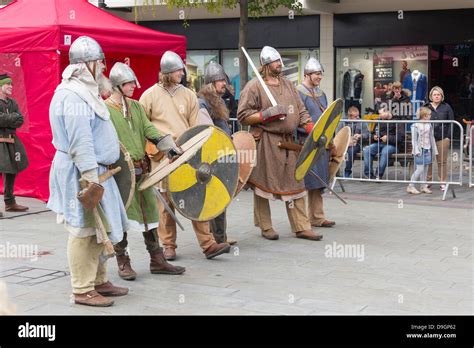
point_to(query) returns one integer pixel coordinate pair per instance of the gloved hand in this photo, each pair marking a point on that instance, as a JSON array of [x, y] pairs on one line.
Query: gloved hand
[[309, 127], [167, 145], [91, 195], [273, 113]]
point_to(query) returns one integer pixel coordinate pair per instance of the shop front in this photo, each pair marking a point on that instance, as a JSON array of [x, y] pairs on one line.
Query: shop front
[[418, 49]]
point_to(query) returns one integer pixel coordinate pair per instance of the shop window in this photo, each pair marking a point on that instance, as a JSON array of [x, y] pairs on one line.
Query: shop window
[[196, 62], [364, 76], [293, 59], [452, 69]]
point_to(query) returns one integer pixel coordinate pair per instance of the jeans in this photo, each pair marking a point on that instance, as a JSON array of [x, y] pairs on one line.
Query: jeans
[[351, 152], [385, 150]]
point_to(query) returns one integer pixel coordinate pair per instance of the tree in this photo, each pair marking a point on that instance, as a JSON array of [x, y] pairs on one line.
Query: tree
[[252, 8]]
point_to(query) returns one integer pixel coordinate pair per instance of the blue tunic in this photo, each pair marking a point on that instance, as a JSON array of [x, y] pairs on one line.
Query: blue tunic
[[321, 167], [83, 141]]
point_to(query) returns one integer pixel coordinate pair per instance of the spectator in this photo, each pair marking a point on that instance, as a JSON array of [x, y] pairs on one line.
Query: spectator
[[440, 111], [424, 147], [13, 157], [399, 104], [359, 133], [387, 138]]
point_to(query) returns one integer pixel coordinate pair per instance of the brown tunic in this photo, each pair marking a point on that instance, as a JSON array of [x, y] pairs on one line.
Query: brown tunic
[[275, 169]]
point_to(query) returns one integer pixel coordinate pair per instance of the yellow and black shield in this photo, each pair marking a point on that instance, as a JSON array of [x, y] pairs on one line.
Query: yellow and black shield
[[319, 138], [202, 188]]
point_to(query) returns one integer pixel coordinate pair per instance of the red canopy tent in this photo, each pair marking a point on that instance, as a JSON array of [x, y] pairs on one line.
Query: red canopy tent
[[35, 36]]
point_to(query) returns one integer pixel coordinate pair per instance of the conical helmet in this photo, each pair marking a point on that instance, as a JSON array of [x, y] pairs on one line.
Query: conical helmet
[[121, 73], [268, 55], [313, 65], [214, 72], [85, 49], [170, 62]]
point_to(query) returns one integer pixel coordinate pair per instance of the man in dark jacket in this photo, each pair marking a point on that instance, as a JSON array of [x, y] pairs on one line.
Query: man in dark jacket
[[12, 152], [388, 136]]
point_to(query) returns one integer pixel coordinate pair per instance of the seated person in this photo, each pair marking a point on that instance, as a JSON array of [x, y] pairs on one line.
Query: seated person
[[386, 139], [359, 134]]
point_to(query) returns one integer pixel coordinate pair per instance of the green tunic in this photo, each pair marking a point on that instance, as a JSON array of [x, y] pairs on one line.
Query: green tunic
[[132, 131]]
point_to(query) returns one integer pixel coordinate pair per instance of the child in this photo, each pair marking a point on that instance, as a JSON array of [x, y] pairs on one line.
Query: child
[[358, 131], [424, 149]]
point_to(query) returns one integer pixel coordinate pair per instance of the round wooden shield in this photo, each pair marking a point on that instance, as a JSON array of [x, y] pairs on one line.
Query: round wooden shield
[[319, 138], [125, 178], [202, 188], [165, 168], [341, 141], [246, 147]]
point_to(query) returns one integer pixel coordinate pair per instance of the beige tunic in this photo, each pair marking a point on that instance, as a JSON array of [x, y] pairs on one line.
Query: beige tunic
[[275, 169], [172, 113]]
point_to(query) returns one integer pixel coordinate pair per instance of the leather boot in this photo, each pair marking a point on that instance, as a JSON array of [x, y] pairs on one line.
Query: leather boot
[[270, 234], [108, 289], [92, 298], [216, 249], [15, 207], [158, 263], [309, 234], [125, 270]]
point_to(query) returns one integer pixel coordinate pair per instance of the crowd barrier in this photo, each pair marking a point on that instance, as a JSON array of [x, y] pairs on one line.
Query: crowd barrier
[[395, 163]]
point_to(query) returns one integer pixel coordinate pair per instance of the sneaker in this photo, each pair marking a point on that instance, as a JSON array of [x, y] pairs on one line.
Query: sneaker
[[442, 187], [425, 189], [413, 190]]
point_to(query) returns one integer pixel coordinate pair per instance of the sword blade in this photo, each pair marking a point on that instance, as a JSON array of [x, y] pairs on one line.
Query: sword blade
[[167, 207], [262, 83], [326, 185]]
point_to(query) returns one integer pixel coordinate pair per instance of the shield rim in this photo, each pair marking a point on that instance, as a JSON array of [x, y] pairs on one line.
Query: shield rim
[[192, 148], [180, 210], [343, 155], [244, 181], [337, 105], [131, 167]]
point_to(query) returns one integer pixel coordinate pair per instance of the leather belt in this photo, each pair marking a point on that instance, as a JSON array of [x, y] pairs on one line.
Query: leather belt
[[8, 138]]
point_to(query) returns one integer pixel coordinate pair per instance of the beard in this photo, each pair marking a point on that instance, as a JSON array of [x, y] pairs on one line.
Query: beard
[[105, 86], [274, 72]]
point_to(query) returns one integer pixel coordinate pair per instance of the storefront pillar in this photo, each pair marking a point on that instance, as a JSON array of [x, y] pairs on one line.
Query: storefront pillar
[[326, 53]]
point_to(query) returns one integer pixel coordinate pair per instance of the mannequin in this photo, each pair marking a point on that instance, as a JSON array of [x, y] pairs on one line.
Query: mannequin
[[416, 83], [352, 88], [405, 70]]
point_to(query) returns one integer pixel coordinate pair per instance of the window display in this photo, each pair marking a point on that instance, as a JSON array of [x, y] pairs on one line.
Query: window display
[[196, 62], [364, 76], [293, 59]]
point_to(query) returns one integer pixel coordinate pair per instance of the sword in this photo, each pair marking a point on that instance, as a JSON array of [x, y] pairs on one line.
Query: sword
[[167, 207], [326, 186], [262, 83]]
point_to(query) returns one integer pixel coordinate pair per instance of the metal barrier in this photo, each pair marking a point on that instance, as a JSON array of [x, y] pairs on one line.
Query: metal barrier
[[469, 140], [234, 125], [395, 157]]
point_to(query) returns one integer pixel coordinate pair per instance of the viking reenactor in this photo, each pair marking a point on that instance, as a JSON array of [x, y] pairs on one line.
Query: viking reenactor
[[13, 157], [82, 193], [133, 128], [315, 101], [173, 108], [273, 124], [213, 108]]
